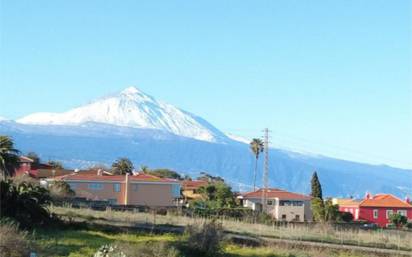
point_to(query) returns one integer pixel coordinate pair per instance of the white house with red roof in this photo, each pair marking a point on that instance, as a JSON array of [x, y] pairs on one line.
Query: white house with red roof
[[138, 189], [376, 209], [281, 204]]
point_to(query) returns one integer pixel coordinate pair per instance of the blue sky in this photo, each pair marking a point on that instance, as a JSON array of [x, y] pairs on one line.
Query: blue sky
[[329, 77]]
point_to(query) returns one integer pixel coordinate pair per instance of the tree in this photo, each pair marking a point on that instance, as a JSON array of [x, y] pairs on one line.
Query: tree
[[55, 164], [9, 159], [34, 157], [61, 189], [122, 166], [318, 209], [217, 195], [207, 177], [398, 219], [331, 211], [316, 187], [256, 146], [187, 177], [324, 211], [165, 173], [144, 168]]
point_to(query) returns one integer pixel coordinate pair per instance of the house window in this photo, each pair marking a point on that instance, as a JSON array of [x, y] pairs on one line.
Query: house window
[[389, 213], [135, 187], [375, 214], [73, 185], [96, 186], [112, 201], [269, 202], [116, 187], [402, 212], [297, 217], [290, 203], [283, 216], [176, 190]]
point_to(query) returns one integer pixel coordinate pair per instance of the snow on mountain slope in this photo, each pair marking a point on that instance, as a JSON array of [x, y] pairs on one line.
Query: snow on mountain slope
[[238, 138], [132, 108]]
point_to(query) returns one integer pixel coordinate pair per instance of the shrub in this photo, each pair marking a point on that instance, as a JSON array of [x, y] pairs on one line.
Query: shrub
[[60, 189], [398, 220], [346, 216], [205, 239], [24, 202], [25, 178], [13, 242]]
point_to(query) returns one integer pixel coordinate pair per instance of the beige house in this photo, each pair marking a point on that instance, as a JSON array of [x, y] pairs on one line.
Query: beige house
[[138, 189], [190, 189], [282, 205]]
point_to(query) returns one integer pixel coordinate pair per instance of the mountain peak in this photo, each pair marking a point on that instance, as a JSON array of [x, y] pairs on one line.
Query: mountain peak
[[131, 91], [132, 108]]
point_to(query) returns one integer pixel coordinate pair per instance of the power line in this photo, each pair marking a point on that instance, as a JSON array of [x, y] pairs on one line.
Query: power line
[[336, 151]]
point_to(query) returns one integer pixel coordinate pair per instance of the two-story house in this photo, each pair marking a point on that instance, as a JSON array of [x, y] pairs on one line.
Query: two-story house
[[281, 204], [138, 189]]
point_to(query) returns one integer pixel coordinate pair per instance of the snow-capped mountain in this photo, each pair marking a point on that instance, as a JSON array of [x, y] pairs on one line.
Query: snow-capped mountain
[[132, 108], [134, 125]]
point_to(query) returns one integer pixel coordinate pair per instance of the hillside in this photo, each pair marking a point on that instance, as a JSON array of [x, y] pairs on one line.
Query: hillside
[[83, 145]]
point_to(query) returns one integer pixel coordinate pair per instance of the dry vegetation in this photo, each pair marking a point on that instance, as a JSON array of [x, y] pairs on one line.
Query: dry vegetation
[[321, 233], [13, 242]]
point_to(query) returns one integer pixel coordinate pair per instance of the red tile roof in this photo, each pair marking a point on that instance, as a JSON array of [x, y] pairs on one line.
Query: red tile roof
[[277, 193], [347, 202], [384, 200], [94, 177], [193, 184]]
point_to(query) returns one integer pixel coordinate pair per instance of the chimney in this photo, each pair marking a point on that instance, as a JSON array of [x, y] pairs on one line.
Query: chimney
[[99, 172], [368, 195], [407, 200]]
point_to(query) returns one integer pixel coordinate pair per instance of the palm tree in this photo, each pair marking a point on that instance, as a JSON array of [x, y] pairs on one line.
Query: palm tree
[[122, 166], [9, 159], [256, 146]]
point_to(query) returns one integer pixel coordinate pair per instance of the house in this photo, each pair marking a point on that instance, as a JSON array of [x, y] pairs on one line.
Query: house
[[190, 189], [281, 204], [138, 189], [375, 209], [25, 165], [38, 170], [42, 173]]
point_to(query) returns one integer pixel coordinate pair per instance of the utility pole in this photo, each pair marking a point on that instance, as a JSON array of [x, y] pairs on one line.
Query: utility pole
[[265, 169]]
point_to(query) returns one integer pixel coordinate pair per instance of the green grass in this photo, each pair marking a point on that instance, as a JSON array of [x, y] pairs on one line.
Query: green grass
[[240, 251], [80, 243], [323, 233], [76, 243]]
